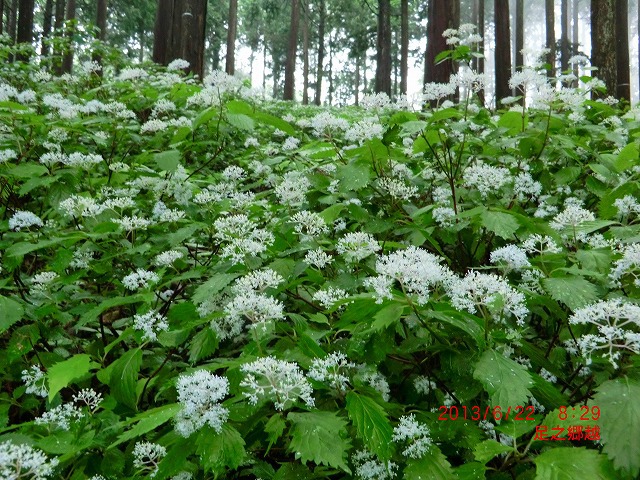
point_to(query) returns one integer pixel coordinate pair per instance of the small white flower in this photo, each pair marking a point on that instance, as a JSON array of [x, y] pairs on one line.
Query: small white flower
[[147, 456], [22, 461], [333, 369], [89, 397], [369, 467], [140, 279], [178, 64], [60, 416], [150, 323], [356, 246], [24, 219], [540, 244], [35, 381], [416, 434], [309, 224], [328, 297], [318, 258], [199, 395], [511, 257], [166, 259]]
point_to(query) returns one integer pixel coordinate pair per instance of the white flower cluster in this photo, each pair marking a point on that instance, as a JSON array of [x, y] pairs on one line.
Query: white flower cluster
[[540, 244], [178, 64], [23, 461], [525, 187], [243, 237], [89, 397], [355, 246], [78, 206], [629, 264], [627, 205], [134, 222], [332, 369], [151, 323], [7, 154], [416, 270], [481, 290], [166, 259], [364, 130], [370, 376], [200, 395], [162, 213], [318, 258], [132, 73], [154, 125], [369, 467], [309, 224], [572, 216], [293, 189], [275, 380], [618, 329], [24, 219], [485, 178], [416, 434], [328, 297], [40, 282], [434, 91], [140, 279], [326, 124], [464, 35], [397, 188], [511, 257], [423, 385], [60, 416], [147, 456], [35, 381]]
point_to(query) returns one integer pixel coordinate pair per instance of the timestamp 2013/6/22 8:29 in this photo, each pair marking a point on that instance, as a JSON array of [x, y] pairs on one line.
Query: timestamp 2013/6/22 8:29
[[476, 413]]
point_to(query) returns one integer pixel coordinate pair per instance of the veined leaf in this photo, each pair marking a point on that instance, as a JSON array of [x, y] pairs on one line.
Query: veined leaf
[[212, 286], [506, 381], [433, 466], [220, 451], [565, 463], [11, 312], [502, 224], [574, 292], [147, 421], [124, 376], [372, 424], [63, 373]]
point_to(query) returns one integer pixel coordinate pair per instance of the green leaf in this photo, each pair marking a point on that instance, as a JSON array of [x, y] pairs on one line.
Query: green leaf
[[618, 401], [432, 466], [124, 377], [506, 381], [388, 316], [63, 373], [574, 292], [471, 471], [212, 286], [627, 158], [565, 463], [320, 437], [240, 121], [513, 122], [148, 421], [169, 160], [274, 428], [372, 425], [354, 176], [11, 312], [485, 451], [220, 451], [93, 314], [502, 224], [203, 344]]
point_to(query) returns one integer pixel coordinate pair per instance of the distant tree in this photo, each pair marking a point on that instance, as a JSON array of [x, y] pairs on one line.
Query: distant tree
[[47, 25], [25, 24], [305, 55], [12, 19], [550, 19], [623, 87], [67, 60], [603, 42], [101, 25], [383, 48], [292, 49], [519, 34], [441, 15], [179, 33], [231, 37], [404, 45], [564, 35], [322, 18], [503, 49]]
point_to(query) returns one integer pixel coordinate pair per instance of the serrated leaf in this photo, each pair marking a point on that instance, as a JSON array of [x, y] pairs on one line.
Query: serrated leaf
[[432, 466], [203, 344], [212, 286], [372, 425], [11, 312], [574, 292], [506, 381], [502, 224], [320, 437], [471, 471], [147, 421], [63, 373], [388, 316], [274, 428], [169, 160], [124, 376], [569, 463], [485, 451], [240, 121], [220, 451], [627, 158], [354, 176], [620, 422]]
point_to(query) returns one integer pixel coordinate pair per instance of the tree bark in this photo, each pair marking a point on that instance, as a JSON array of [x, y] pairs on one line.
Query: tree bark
[[101, 24], [292, 52], [503, 49], [162, 31], [305, 57], [623, 88], [603, 42], [550, 19], [575, 40], [383, 48], [564, 36], [519, 57], [25, 24], [67, 61], [357, 82], [47, 24], [12, 17], [437, 23], [319, 67], [404, 45], [142, 35], [230, 65]]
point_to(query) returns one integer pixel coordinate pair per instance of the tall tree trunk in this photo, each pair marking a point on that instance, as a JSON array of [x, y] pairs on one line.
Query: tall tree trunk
[[519, 43], [550, 20], [319, 67], [564, 35], [1, 17], [638, 42], [264, 68], [101, 23], [292, 52], [503, 49], [330, 72], [25, 25], [437, 23], [142, 36], [623, 88], [357, 82], [575, 40], [230, 66], [162, 31], [404, 45], [603, 42], [383, 48], [67, 61], [12, 18], [305, 56], [47, 23], [57, 31], [481, 32]]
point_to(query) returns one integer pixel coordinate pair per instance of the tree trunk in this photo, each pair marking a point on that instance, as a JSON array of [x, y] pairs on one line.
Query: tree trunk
[[330, 72], [12, 17], [305, 57], [623, 88], [437, 23], [519, 34], [357, 82], [142, 35], [575, 40], [603, 42], [383, 48], [404, 45], [230, 66], [319, 67], [101, 24], [564, 36], [57, 31], [550, 19], [503, 49], [292, 52], [47, 23], [25, 25], [67, 61], [162, 31], [1, 16]]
